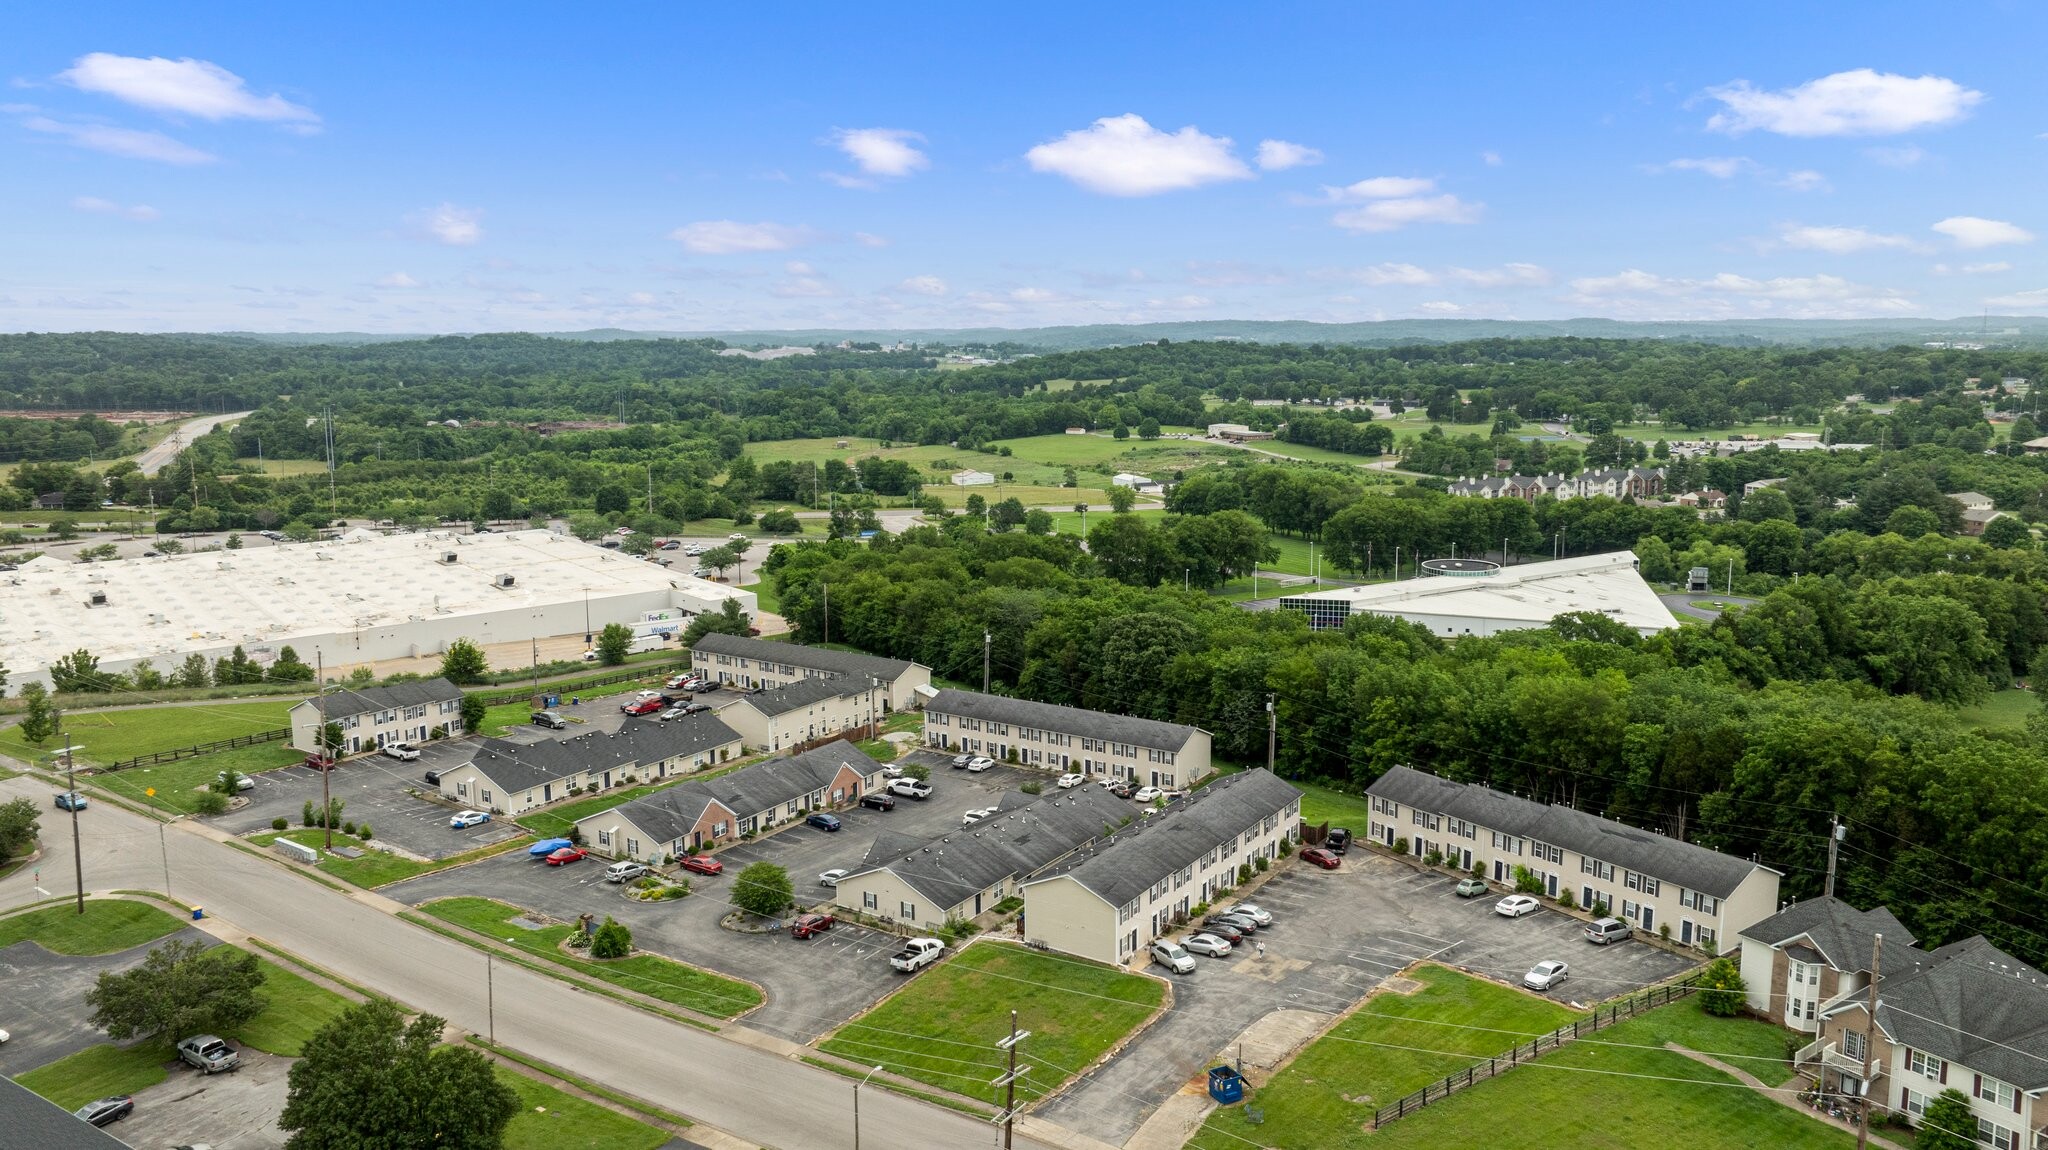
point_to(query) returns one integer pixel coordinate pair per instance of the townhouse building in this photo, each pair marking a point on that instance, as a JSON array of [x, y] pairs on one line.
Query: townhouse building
[[927, 882], [804, 711], [374, 716], [513, 778], [1809, 953], [696, 815], [754, 663], [1110, 900], [1057, 738], [1646, 879], [1613, 482]]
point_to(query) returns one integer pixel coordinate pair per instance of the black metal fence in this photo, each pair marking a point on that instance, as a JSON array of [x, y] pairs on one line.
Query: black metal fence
[[635, 673], [156, 757], [1603, 1017]]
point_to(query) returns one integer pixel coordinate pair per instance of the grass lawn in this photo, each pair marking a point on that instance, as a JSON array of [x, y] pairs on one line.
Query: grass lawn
[[1029, 494], [1074, 1010], [285, 466], [108, 736], [651, 975], [1652, 432], [378, 866], [551, 1119], [296, 1009], [2005, 710], [766, 595], [1339, 807], [1105, 455], [497, 718], [1376, 1058], [935, 461], [555, 822], [108, 925], [99, 1071], [1550, 1102], [178, 785]]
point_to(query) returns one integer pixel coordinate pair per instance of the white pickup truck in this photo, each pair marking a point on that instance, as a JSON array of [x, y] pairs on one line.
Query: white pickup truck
[[917, 954]]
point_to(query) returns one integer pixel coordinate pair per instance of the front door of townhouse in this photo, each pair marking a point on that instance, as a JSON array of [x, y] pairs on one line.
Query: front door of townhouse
[[1649, 918], [1500, 867], [1685, 932], [547, 792], [977, 904]]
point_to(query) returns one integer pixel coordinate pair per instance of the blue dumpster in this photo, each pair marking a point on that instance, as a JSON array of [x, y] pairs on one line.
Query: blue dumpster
[[550, 702], [198, 913], [1226, 1085]]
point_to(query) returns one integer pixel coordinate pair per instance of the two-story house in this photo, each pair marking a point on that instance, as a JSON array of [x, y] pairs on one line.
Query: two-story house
[[1046, 735], [374, 716], [1809, 953]]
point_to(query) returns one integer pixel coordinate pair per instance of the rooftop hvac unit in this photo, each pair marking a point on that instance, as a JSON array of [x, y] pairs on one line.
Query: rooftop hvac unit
[[96, 599], [506, 580], [447, 556]]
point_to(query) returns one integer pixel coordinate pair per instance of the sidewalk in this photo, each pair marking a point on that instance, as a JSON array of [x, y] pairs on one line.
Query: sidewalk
[[1784, 1096]]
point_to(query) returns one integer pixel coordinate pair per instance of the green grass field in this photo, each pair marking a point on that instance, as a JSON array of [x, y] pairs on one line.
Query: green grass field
[[552, 1119], [2005, 710], [1319, 804], [942, 1027], [659, 978], [177, 785], [297, 1007], [285, 466], [1394, 1045], [108, 925], [766, 595], [1651, 433], [377, 867], [497, 718], [935, 460], [108, 736], [555, 821], [1646, 1096], [1104, 455], [1030, 495]]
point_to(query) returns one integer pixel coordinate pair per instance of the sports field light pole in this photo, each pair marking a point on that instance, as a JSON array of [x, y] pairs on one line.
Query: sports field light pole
[[856, 1105]]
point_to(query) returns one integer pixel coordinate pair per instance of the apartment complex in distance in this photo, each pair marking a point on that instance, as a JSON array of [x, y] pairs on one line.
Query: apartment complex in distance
[[754, 663], [1145, 751]]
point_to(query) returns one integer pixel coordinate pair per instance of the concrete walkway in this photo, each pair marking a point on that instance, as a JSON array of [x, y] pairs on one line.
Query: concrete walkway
[[1787, 1096]]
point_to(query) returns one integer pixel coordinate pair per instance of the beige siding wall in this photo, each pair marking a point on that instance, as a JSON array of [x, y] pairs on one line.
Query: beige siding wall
[[900, 692], [791, 728], [882, 894], [1068, 917], [1065, 751], [305, 723], [467, 786], [1753, 901]]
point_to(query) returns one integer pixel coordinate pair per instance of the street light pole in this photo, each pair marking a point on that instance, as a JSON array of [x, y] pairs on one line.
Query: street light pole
[[856, 1105]]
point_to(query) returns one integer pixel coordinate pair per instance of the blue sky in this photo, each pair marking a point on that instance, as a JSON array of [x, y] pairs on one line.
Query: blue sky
[[464, 168]]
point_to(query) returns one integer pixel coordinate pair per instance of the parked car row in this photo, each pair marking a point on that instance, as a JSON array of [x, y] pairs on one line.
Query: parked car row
[[1216, 936]]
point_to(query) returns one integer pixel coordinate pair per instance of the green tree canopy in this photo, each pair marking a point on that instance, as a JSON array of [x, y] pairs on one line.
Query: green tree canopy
[[613, 644], [763, 889], [463, 663], [368, 1078], [180, 988]]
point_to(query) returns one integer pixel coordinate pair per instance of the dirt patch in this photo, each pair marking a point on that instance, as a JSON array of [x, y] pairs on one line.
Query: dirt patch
[[1402, 986]]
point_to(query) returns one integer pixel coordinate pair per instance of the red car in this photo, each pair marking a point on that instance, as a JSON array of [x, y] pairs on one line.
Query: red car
[[807, 925], [1322, 858], [703, 864], [566, 855], [319, 762], [645, 706]]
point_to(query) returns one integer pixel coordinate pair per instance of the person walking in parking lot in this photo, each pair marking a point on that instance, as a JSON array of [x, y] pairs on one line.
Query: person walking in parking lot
[[1262, 950]]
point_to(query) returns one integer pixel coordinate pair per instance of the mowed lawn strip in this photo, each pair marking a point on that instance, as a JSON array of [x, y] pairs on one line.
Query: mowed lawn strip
[[943, 1026], [1393, 1045], [553, 1119], [110, 736], [178, 785], [658, 978], [378, 866], [555, 822], [108, 925]]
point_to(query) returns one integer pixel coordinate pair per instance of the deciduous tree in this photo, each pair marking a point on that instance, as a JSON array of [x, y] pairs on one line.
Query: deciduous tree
[[763, 889], [370, 1079], [613, 643], [463, 663], [180, 988]]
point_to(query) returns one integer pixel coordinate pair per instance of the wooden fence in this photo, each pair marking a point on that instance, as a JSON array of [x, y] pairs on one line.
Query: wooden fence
[[581, 685], [156, 757], [1603, 1017]]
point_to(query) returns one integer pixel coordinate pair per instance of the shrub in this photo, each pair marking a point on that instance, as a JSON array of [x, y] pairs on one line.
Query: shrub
[[1201, 908], [1286, 847], [364, 832], [1433, 858], [1032, 787], [1010, 905], [1565, 900], [680, 889], [1261, 864], [612, 940], [1400, 846], [1527, 881], [1599, 909], [349, 829], [763, 889], [579, 941], [1721, 989], [575, 834], [1479, 870], [306, 814], [280, 822], [1244, 872], [211, 803], [1664, 931]]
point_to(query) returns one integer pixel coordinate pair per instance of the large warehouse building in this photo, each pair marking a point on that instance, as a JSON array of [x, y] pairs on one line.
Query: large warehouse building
[[1460, 597], [361, 599]]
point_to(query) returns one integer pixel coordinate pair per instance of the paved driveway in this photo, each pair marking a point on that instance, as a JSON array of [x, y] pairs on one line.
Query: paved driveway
[[1336, 935], [373, 790], [812, 985], [45, 1000], [233, 1111]]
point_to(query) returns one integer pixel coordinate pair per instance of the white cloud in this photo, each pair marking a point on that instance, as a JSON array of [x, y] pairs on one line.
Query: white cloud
[[1989, 269], [1410, 275], [882, 151], [129, 142], [641, 298], [1719, 167], [870, 240], [2037, 298], [1491, 159], [1279, 155], [1804, 180], [1839, 240], [1977, 232], [183, 87], [1637, 292], [1379, 188], [1125, 156], [925, 285], [1902, 157], [1861, 102], [141, 213], [727, 237], [1506, 275], [455, 226], [1381, 275], [1181, 303], [1442, 307], [397, 280], [803, 282], [1036, 295], [1218, 273], [1390, 215]]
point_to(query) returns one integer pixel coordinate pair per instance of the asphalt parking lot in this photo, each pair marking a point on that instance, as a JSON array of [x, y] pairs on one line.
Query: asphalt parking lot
[[373, 790], [1336, 935], [45, 1001], [812, 985], [233, 1111]]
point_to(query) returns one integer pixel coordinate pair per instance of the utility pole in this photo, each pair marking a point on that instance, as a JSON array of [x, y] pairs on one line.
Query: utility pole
[[986, 640], [165, 847], [491, 995], [1008, 1080], [1272, 730], [826, 590], [1834, 837], [650, 489], [1876, 955], [536, 664], [326, 752], [77, 852]]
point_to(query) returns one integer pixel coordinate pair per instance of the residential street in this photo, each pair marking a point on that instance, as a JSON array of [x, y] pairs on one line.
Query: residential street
[[741, 1088]]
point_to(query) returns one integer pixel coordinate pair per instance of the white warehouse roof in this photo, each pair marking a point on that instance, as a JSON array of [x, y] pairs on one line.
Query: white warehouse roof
[[363, 597], [1504, 598]]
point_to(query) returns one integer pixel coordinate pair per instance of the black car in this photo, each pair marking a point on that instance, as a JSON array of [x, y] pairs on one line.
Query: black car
[[878, 802], [1340, 839], [696, 708], [1244, 923], [433, 778], [106, 1110], [1223, 930], [674, 698]]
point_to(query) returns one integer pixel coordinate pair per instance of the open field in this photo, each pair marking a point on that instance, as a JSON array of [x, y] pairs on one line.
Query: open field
[[2005, 710], [285, 466], [1106, 455], [177, 785], [108, 925], [1030, 495], [944, 1024], [1394, 1045], [933, 459], [296, 1007], [552, 1119], [1652, 432], [651, 975], [108, 736]]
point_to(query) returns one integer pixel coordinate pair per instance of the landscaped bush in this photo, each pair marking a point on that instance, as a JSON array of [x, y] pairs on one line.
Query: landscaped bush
[[1565, 900], [1721, 989], [575, 834], [306, 814], [1032, 787], [612, 940], [1527, 881], [1286, 847], [1261, 864], [1244, 872], [210, 803], [349, 829], [1400, 846], [1598, 908], [1433, 858], [364, 832], [280, 822]]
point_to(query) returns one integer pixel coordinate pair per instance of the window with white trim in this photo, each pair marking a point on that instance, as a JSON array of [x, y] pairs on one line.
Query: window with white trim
[[1997, 1093], [1852, 1043], [1916, 1103], [869, 900], [909, 911], [1995, 1136], [1924, 1064]]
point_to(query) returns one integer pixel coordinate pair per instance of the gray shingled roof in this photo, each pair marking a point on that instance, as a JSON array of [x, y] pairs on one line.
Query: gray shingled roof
[[1646, 852], [521, 766], [1133, 860], [803, 693], [344, 702], [811, 658], [1971, 1003], [1066, 720], [1017, 843], [669, 813], [1841, 933], [31, 1120]]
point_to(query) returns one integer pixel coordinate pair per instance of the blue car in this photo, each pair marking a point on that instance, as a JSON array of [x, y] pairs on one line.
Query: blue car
[[70, 801], [823, 822]]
